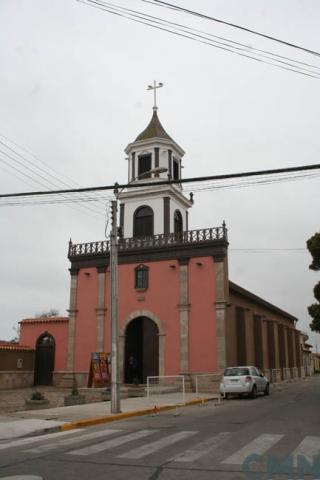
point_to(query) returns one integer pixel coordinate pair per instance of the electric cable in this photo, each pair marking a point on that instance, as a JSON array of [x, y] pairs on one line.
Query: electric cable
[[48, 182], [254, 32], [205, 35], [25, 159], [204, 40], [82, 192]]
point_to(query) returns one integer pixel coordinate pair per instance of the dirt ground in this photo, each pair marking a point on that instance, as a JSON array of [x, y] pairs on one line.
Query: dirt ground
[[13, 400]]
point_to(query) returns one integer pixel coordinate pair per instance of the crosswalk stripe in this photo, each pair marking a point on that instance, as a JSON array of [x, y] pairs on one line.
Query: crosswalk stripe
[[309, 447], [70, 441], [25, 441], [258, 446], [116, 442], [202, 448], [145, 450]]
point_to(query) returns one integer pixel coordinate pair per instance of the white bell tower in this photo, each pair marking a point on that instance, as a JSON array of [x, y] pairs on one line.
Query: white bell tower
[[159, 209]]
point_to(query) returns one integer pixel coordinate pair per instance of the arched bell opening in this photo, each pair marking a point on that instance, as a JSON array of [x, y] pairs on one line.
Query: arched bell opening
[[178, 223], [143, 222]]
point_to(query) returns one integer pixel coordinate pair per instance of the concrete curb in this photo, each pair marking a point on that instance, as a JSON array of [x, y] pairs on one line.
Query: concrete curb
[[122, 416]]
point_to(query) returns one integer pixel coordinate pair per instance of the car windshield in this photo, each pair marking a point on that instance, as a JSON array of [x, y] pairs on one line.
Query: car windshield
[[236, 372]]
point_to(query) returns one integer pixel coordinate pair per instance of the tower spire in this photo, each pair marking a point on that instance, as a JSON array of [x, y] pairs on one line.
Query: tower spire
[[154, 88]]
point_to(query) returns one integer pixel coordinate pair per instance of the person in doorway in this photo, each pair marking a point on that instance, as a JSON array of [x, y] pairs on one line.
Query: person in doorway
[[133, 370]]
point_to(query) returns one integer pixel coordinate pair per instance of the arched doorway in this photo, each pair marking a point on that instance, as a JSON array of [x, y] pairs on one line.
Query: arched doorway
[[143, 222], [44, 360], [141, 344]]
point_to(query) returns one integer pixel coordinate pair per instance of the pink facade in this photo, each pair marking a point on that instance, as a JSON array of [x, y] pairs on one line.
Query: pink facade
[[86, 318], [202, 322], [161, 299]]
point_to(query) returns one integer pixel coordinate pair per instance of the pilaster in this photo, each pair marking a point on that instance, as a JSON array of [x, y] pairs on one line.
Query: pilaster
[[100, 310], [72, 319], [222, 299], [249, 333], [184, 308]]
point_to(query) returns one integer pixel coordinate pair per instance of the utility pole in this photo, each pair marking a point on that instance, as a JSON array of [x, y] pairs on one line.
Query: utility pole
[[115, 374], [115, 371]]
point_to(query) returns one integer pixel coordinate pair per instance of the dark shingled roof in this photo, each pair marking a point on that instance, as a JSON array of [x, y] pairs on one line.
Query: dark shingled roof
[[154, 129]]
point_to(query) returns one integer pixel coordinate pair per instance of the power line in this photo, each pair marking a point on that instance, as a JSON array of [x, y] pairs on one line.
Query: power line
[[24, 149], [257, 173], [235, 45], [33, 171], [214, 19], [21, 201], [252, 183], [34, 180], [268, 250], [160, 24]]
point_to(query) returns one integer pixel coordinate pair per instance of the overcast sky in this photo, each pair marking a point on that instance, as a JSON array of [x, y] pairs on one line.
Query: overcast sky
[[73, 93]]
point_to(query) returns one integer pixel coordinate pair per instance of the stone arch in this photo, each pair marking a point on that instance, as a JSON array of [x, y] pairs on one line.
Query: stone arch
[[122, 336]]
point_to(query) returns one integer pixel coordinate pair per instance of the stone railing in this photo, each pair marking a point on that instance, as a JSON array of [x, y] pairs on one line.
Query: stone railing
[[205, 235]]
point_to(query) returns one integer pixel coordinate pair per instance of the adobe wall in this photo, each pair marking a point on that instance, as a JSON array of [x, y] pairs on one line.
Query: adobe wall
[[16, 368], [260, 334], [31, 331]]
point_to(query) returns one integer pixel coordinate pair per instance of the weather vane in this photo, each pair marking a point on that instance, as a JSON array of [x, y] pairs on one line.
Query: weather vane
[[154, 88]]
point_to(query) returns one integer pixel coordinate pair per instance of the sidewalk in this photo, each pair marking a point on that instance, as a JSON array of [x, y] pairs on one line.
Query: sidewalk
[[36, 422]]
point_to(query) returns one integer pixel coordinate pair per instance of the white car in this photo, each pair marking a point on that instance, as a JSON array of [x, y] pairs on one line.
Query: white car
[[243, 380]]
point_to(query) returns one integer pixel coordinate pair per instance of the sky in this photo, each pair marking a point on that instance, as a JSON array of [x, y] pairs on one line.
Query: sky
[[73, 94]]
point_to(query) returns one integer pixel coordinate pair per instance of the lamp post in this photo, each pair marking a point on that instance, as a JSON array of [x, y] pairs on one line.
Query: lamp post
[[115, 371]]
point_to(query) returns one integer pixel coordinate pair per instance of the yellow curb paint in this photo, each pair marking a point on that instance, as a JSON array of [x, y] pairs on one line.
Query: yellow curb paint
[[122, 416]]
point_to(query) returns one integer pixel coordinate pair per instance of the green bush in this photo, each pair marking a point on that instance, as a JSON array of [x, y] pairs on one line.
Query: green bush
[[37, 396]]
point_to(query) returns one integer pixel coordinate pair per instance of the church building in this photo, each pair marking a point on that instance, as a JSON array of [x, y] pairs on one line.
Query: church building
[[178, 313]]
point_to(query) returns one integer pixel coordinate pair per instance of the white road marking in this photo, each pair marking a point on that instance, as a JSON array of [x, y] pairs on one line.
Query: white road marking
[[145, 450], [70, 441], [258, 446], [202, 448], [39, 438], [116, 442], [309, 447]]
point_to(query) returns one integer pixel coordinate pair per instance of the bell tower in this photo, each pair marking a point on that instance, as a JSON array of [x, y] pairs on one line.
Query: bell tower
[[148, 210]]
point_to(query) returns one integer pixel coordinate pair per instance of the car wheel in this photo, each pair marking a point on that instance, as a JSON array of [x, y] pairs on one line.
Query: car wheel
[[226, 396], [267, 389], [253, 393]]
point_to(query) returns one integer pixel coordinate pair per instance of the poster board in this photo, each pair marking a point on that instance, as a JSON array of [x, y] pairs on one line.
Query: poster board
[[99, 375]]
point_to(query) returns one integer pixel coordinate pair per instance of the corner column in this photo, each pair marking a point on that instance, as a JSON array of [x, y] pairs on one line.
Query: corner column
[[100, 310], [222, 299], [72, 318], [184, 308]]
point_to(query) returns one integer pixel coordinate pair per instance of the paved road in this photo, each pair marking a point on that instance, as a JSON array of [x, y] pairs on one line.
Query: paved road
[[202, 443]]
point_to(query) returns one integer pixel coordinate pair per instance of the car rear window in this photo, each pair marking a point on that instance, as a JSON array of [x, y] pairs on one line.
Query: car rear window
[[236, 372]]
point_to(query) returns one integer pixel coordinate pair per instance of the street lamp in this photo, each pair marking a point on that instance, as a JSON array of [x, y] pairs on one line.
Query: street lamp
[[115, 372]]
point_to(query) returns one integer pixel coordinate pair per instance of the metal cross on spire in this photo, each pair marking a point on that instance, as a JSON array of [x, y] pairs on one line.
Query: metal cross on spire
[[154, 88]]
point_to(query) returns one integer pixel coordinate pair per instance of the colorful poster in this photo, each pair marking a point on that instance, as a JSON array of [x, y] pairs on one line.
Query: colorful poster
[[99, 375]]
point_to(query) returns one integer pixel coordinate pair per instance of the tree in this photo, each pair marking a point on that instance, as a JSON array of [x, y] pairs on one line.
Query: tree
[[53, 312], [16, 337], [313, 245]]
